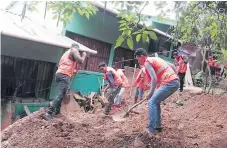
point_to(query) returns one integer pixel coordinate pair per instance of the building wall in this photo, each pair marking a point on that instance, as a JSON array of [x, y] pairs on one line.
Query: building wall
[[29, 50], [95, 28]]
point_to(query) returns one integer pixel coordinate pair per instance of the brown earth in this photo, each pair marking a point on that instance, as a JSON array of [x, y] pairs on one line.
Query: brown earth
[[200, 122]]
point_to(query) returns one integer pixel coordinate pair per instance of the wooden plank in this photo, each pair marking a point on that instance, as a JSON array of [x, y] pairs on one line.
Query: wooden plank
[[133, 77], [27, 110]]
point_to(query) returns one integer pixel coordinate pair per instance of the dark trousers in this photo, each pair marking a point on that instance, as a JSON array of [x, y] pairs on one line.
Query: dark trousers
[[111, 95], [181, 77], [63, 82]]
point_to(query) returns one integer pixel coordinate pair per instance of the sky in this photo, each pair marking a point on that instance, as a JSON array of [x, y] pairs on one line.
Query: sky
[[4, 3], [149, 10]]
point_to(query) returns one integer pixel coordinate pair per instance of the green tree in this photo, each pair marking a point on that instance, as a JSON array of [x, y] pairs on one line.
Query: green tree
[[131, 24], [203, 23], [63, 10], [28, 5]]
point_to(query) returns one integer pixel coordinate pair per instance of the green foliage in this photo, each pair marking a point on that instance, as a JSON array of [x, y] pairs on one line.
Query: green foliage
[[130, 24], [31, 5], [64, 10], [130, 42], [28, 5], [201, 23]]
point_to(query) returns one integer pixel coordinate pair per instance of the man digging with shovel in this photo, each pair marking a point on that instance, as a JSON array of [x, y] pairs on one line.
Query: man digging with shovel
[[67, 66], [114, 84], [160, 74]]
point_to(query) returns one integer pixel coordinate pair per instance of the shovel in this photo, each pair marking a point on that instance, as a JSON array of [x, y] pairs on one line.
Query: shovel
[[69, 104], [122, 115]]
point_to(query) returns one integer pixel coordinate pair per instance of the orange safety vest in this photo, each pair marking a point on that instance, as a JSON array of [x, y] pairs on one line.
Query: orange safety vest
[[163, 70], [145, 80], [182, 65], [66, 65], [124, 79], [211, 62], [117, 78]]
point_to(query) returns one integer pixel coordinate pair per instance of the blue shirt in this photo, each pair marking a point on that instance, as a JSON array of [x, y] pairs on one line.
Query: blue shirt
[[110, 79]]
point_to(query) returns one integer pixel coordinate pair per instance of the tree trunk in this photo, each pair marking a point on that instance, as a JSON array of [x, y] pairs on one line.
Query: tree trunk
[[203, 52], [45, 12], [23, 11], [59, 15], [210, 79]]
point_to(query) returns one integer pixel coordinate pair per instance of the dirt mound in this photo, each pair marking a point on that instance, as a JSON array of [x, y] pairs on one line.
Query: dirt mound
[[200, 122]]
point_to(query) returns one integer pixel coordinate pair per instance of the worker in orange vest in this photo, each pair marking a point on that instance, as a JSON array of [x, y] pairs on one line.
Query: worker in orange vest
[[114, 84], [141, 84], [125, 84], [166, 81], [181, 68], [67, 66]]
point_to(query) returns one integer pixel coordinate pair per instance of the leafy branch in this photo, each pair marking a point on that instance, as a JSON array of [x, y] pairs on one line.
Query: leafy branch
[[130, 27], [64, 11]]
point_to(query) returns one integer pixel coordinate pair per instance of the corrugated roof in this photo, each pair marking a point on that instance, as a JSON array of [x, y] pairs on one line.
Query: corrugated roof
[[30, 30]]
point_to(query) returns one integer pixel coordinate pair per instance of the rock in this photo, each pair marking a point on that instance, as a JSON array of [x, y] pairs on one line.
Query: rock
[[138, 143], [220, 126], [180, 126]]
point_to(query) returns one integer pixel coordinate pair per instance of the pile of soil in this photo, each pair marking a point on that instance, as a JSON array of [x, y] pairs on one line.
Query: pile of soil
[[200, 122]]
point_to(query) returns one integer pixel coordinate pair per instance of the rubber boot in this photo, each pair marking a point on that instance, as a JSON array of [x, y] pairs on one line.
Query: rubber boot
[[51, 109]]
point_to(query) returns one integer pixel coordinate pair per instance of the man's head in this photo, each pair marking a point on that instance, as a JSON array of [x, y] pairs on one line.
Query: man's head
[[114, 67], [74, 45], [175, 55], [102, 66], [141, 55]]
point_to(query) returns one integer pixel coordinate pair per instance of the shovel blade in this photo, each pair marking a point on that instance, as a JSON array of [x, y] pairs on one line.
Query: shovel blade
[[119, 116], [69, 106]]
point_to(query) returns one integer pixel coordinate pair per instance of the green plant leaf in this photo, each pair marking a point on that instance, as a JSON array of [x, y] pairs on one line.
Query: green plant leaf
[[189, 30], [153, 35], [214, 32], [87, 15], [122, 29], [196, 10], [123, 24], [183, 29], [122, 21], [150, 27], [138, 37], [54, 17], [120, 40], [144, 37], [81, 12], [64, 23], [129, 32], [136, 32], [130, 42], [148, 39]]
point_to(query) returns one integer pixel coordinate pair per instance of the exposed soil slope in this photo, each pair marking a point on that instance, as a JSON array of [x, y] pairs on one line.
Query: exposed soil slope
[[200, 122]]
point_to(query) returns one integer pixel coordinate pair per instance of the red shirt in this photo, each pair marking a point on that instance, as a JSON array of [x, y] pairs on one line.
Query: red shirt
[[182, 67]]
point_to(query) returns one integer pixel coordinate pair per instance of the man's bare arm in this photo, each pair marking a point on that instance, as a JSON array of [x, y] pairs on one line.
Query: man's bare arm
[[76, 56], [153, 75]]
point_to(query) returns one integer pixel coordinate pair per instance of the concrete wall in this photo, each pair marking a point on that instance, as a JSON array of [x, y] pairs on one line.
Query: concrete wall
[[29, 50]]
